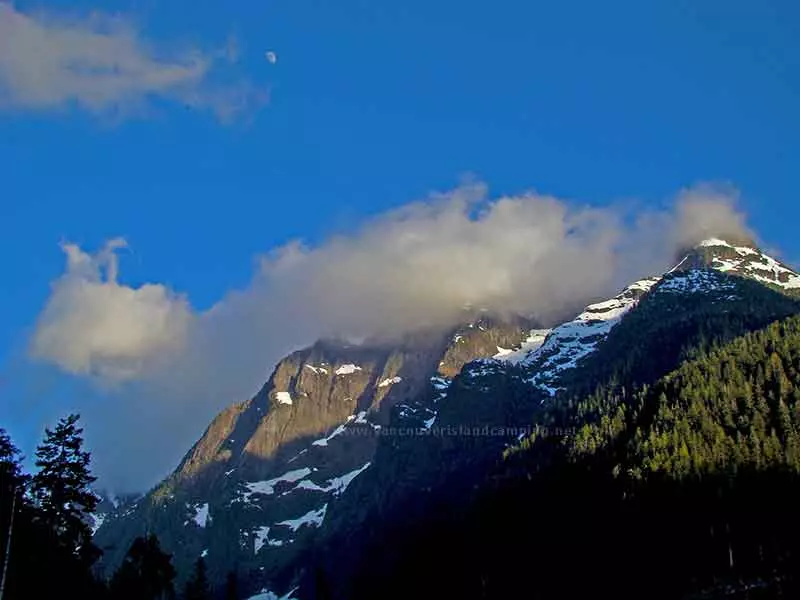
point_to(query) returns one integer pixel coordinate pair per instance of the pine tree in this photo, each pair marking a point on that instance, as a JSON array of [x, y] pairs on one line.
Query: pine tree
[[11, 475], [12, 483], [146, 573], [231, 587], [197, 587], [61, 486]]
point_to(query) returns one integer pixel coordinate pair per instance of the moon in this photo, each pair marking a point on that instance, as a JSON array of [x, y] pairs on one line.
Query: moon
[[271, 57]]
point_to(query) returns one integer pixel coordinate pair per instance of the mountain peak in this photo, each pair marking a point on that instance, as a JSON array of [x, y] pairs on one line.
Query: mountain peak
[[715, 242], [739, 257]]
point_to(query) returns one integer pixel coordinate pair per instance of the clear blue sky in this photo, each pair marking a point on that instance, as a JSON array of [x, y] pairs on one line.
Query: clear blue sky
[[374, 103]]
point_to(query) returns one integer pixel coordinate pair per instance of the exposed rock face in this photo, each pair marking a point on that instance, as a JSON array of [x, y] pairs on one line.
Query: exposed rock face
[[254, 489]]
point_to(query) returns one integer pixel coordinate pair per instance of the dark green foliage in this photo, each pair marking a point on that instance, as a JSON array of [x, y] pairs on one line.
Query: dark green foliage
[[197, 587], [684, 487], [51, 553], [12, 484], [61, 486], [11, 475], [731, 408], [145, 574], [231, 587]]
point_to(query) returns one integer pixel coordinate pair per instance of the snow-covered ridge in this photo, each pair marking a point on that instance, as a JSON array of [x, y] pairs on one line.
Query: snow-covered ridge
[[548, 353], [348, 369]]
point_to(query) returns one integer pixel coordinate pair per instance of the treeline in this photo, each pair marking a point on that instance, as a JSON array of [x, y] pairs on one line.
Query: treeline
[[683, 487], [46, 518], [735, 407]]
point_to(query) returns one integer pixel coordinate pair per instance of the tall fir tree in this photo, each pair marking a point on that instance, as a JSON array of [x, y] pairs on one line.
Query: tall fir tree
[[11, 474], [146, 573], [197, 587], [61, 486], [12, 484], [232, 586]]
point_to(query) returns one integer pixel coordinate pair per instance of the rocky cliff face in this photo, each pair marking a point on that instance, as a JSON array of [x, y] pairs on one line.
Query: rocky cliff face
[[253, 490]]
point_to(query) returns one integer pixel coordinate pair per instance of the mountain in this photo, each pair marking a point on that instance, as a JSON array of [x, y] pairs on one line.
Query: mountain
[[330, 481], [255, 487]]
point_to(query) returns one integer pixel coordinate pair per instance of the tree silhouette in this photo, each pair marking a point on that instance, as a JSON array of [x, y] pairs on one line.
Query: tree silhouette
[[61, 486], [146, 573]]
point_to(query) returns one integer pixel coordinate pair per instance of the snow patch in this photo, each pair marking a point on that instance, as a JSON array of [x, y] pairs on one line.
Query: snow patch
[[313, 518], [347, 369], [262, 539], [97, 521], [324, 441], [390, 381], [337, 485], [534, 341], [201, 516], [714, 242], [265, 594], [298, 455], [267, 487], [283, 397], [440, 383]]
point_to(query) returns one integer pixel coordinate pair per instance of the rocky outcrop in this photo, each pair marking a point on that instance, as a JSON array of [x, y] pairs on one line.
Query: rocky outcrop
[[255, 489]]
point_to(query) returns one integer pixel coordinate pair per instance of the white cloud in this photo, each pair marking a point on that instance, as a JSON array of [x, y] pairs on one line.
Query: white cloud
[[94, 326], [103, 65], [411, 267]]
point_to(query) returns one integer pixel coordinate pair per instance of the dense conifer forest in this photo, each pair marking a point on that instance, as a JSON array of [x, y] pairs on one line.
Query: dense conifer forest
[[684, 488]]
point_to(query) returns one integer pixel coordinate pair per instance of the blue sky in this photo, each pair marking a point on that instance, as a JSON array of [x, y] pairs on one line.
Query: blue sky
[[374, 104]]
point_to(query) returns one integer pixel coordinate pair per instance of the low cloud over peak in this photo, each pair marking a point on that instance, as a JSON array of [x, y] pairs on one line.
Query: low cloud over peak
[[416, 266]]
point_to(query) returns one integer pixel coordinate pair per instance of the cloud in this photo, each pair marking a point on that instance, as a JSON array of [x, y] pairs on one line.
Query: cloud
[[172, 367], [705, 211], [103, 65], [94, 326]]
